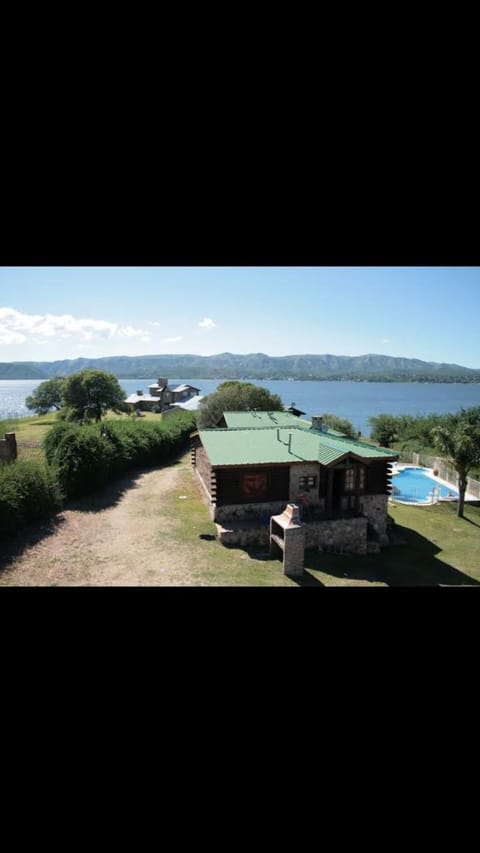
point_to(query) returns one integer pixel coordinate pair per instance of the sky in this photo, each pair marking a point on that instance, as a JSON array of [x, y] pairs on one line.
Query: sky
[[51, 313]]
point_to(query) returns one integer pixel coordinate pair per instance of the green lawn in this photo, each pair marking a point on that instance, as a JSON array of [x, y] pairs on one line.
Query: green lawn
[[29, 433], [439, 549]]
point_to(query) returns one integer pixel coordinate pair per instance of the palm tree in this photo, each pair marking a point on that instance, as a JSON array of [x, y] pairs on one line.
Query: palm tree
[[459, 441]]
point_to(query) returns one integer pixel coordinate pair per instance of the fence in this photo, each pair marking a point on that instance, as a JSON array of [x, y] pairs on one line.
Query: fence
[[445, 471]]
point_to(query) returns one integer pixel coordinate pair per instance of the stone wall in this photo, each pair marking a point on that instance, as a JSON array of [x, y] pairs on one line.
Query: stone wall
[[248, 512], [238, 538], [344, 535], [307, 469], [8, 447], [375, 508]]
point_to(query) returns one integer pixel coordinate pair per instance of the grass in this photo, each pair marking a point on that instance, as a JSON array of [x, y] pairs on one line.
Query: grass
[[29, 433], [439, 549]]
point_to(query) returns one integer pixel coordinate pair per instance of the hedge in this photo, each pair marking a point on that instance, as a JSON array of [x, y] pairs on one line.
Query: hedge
[[88, 456], [29, 491]]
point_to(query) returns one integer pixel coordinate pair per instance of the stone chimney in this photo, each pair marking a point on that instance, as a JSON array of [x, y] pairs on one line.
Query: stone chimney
[[139, 393], [162, 380], [317, 422], [287, 539]]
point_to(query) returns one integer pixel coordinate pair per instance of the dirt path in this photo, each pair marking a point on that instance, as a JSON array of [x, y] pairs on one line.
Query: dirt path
[[118, 545]]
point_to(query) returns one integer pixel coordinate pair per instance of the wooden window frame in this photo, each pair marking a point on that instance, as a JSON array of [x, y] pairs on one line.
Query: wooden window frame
[[308, 482]]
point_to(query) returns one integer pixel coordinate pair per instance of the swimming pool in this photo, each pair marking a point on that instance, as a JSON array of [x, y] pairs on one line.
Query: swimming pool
[[414, 485]]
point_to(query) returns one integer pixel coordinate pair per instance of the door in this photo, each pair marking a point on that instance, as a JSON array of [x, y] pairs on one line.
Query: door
[[337, 490]]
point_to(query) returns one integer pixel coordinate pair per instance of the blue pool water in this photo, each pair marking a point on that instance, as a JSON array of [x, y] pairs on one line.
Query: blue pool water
[[413, 485]]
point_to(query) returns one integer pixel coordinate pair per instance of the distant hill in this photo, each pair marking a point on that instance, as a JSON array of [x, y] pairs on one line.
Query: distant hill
[[365, 368], [20, 370]]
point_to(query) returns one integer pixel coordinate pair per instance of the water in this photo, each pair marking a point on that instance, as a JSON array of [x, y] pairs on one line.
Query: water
[[414, 485], [355, 401]]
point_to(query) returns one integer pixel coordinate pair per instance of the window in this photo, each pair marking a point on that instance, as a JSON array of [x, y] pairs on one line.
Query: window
[[361, 477], [349, 479], [307, 482]]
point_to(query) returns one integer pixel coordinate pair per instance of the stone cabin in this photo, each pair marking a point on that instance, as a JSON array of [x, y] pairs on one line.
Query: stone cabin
[[160, 394], [260, 461]]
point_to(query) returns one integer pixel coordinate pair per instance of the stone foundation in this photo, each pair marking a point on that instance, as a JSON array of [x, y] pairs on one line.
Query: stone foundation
[[240, 525], [375, 507], [247, 512], [344, 535], [238, 536]]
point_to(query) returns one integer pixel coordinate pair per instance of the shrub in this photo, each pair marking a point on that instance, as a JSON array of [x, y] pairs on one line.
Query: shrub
[[29, 491], [88, 456]]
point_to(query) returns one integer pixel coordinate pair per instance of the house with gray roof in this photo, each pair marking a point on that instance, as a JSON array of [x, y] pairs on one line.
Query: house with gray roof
[[161, 397], [260, 461]]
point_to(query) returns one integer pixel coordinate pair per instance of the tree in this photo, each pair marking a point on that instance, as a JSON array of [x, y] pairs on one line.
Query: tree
[[47, 396], [89, 393], [340, 424], [459, 441], [384, 429], [233, 396]]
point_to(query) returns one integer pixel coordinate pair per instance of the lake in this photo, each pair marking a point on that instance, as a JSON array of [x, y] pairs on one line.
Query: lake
[[353, 400]]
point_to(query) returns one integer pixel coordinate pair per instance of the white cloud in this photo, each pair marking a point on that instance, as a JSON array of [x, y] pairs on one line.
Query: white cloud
[[207, 323], [9, 337], [17, 328], [386, 341], [172, 340], [131, 332], [153, 323]]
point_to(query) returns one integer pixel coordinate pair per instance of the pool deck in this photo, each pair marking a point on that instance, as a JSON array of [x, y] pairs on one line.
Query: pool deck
[[399, 466]]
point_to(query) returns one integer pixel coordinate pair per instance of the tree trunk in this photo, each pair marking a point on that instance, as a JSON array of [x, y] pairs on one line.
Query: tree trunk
[[462, 487]]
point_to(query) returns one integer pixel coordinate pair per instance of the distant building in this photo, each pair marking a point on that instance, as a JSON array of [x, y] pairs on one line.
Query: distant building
[[161, 397]]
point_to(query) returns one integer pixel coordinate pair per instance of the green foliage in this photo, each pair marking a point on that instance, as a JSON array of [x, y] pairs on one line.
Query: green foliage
[[340, 424], [236, 396], [88, 456], [47, 396], [459, 440], [89, 393], [29, 491], [384, 429]]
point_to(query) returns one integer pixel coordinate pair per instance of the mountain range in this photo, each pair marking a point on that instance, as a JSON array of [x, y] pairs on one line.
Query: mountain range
[[366, 368]]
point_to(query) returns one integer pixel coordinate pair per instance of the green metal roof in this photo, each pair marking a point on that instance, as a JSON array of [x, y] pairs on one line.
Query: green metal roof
[[267, 445], [256, 420]]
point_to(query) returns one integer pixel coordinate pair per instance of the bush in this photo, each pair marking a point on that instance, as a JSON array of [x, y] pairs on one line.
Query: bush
[[88, 456], [340, 424], [29, 491]]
